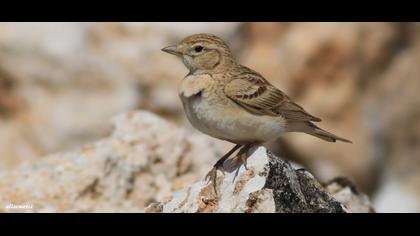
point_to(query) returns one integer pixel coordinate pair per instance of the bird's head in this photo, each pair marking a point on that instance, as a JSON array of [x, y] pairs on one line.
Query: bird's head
[[202, 52]]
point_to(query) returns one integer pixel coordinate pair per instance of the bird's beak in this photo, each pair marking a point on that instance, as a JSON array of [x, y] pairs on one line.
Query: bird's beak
[[172, 50]]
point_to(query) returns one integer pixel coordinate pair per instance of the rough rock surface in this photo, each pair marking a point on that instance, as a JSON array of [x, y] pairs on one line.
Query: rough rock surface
[[268, 184], [142, 161]]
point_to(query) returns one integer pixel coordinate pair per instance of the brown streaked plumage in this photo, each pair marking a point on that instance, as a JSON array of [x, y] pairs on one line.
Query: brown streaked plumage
[[229, 101]]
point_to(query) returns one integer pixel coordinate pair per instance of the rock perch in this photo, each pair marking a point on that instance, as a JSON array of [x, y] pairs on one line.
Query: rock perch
[[270, 184]]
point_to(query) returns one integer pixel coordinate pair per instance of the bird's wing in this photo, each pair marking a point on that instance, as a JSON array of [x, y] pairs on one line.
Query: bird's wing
[[251, 91]]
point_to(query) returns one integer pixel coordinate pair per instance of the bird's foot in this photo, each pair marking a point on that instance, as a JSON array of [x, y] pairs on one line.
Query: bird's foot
[[212, 176]]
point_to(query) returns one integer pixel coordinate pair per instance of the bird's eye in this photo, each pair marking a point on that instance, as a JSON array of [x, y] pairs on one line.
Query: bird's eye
[[198, 49]]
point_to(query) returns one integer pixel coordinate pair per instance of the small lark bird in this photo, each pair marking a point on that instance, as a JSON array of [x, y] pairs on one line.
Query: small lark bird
[[229, 101]]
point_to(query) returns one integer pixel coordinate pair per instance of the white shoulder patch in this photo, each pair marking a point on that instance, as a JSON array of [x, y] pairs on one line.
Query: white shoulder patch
[[194, 84]]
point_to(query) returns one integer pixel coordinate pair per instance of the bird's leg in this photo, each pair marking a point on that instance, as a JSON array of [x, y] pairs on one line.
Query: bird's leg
[[242, 154], [211, 176], [244, 157]]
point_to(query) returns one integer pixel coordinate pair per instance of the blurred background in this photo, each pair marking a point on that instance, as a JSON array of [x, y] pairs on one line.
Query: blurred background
[[60, 83]]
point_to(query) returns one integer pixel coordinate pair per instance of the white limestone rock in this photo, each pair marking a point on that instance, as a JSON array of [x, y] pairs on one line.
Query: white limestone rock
[[144, 159], [269, 184]]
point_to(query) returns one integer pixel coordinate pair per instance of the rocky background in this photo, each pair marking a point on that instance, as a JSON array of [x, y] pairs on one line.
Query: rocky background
[[61, 83]]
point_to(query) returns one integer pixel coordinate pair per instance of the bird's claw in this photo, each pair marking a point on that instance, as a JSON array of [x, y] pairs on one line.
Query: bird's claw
[[212, 177]]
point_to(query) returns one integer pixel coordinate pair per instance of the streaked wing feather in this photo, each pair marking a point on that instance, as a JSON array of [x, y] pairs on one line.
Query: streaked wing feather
[[252, 92]]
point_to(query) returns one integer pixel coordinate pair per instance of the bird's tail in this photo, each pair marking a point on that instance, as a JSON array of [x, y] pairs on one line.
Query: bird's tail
[[312, 129]]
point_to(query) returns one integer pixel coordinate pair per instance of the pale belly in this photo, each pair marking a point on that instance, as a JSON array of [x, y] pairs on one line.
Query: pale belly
[[229, 122]]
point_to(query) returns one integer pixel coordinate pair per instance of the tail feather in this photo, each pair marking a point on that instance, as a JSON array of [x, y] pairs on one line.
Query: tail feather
[[311, 129]]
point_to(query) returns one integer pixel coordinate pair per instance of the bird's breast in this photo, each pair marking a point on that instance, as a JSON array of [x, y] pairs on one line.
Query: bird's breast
[[215, 115]]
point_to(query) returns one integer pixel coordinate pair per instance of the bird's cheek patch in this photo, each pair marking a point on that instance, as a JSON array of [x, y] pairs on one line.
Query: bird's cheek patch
[[187, 60]]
